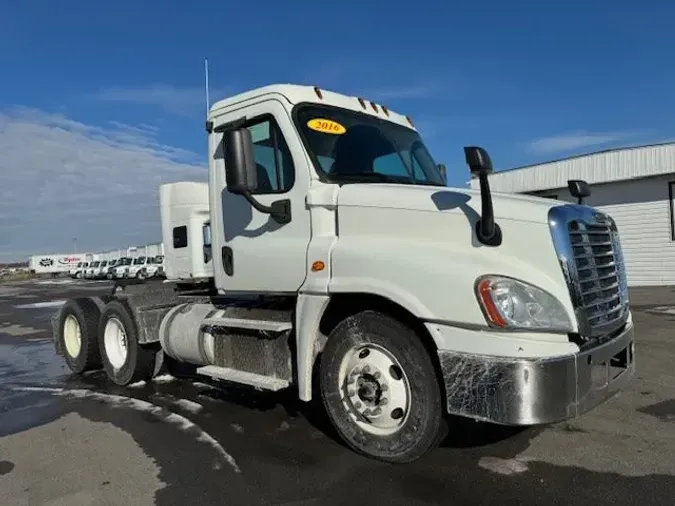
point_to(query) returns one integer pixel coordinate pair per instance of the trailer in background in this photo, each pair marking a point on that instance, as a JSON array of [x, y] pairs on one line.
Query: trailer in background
[[56, 263]]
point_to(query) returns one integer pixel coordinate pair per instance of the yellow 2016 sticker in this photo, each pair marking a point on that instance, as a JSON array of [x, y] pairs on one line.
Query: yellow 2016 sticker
[[326, 126]]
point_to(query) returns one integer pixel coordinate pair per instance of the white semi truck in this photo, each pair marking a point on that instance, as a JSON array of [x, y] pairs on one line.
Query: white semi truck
[[327, 255]]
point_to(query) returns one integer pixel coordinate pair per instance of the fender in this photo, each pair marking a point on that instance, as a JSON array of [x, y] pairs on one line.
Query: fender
[[434, 279]]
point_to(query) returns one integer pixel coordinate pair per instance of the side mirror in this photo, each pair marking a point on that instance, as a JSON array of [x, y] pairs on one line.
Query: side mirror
[[206, 236], [206, 233], [444, 173], [240, 168], [578, 189], [478, 160], [487, 231]]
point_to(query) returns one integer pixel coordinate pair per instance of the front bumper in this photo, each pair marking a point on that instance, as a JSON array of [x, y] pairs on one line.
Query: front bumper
[[516, 391]]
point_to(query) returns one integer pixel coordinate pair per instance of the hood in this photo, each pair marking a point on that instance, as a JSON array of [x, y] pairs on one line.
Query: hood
[[507, 206]]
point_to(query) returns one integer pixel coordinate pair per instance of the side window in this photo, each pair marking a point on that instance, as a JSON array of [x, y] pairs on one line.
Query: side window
[[180, 237], [276, 173], [390, 165]]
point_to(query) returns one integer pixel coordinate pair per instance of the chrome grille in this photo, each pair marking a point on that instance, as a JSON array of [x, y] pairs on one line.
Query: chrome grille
[[589, 250]]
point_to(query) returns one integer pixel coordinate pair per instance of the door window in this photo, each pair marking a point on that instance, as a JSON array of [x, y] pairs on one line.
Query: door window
[[276, 173]]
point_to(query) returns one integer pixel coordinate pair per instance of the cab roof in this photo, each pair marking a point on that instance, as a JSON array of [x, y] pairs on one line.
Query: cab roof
[[295, 94]]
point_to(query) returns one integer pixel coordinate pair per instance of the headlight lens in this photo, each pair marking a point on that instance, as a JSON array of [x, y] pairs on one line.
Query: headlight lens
[[511, 304]]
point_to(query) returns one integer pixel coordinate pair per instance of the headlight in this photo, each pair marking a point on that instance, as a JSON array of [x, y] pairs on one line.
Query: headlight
[[511, 304]]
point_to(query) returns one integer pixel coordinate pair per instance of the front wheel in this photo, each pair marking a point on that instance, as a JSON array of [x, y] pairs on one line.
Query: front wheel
[[380, 388]]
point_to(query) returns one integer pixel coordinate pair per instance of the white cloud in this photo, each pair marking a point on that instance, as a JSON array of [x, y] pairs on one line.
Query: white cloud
[[174, 100], [576, 140], [62, 179]]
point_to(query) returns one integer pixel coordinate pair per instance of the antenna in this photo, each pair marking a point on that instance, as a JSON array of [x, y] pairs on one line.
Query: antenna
[[206, 79]]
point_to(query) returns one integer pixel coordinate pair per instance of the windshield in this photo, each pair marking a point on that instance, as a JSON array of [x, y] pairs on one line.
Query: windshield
[[159, 259], [104, 263], [349, 146], [124, 261], [139, 261], [94, 264]]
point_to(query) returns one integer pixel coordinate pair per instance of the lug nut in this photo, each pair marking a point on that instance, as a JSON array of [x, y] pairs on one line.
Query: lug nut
[[351, 393], [384, 388], [377, 411], [366, 368], [377, 375], [357, 405], [384, 401]]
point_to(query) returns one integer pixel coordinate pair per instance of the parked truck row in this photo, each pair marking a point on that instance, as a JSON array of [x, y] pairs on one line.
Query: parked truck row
[[326, 255], [131, 263], [142, 267]]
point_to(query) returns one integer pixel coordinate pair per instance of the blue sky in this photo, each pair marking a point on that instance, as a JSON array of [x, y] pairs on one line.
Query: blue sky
[[113, 92]]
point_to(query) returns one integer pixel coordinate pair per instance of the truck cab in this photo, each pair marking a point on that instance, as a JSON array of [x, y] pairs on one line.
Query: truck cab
[[100, 270], [153, 267], [335, 261], [136, 269], [121, 268], [76, 272], [107, 272]]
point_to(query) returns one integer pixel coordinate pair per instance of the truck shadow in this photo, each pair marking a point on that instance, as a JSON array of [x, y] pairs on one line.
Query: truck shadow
[[462, 433]]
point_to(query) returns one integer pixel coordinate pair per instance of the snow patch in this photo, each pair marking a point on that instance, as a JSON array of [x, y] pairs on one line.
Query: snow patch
[[15, 330], [40, 305], [188, 405], [506, 467], [127, 402], [164, 378]]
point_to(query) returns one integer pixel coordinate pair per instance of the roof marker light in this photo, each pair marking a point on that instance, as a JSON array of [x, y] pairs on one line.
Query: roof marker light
[[410, 121], [318, 92], [386, 111], [374, 106], [362, 102]]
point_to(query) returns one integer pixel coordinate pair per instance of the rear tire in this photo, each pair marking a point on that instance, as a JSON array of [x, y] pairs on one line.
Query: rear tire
[[125, 361], [380, 388], [77, 335]]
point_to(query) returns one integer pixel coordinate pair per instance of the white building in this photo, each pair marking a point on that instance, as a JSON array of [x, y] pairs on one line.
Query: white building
[[636, 186]]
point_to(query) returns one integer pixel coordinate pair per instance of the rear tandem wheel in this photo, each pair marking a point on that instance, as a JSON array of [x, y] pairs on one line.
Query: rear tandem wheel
[[124, 360]]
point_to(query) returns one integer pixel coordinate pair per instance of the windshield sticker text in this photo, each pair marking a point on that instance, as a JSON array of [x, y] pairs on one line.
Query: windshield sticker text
[[326, 126]]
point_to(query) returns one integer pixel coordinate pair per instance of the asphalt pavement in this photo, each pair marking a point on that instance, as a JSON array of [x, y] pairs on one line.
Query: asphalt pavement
[[67, 440]]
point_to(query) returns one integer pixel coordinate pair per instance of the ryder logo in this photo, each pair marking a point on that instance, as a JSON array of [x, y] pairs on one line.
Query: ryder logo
[[69, 260]]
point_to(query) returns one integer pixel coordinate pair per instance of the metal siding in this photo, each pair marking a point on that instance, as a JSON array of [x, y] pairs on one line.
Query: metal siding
[[597, 168]]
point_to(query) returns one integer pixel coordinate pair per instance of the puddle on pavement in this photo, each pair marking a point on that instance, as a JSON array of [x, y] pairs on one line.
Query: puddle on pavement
[[664, 411]]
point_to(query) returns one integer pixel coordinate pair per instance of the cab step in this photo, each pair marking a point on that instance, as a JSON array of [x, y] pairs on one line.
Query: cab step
[[243, 377], [248, 324], [250, 318]]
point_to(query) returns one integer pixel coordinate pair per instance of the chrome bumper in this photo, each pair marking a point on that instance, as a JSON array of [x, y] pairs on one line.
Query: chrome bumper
[[514, 391]]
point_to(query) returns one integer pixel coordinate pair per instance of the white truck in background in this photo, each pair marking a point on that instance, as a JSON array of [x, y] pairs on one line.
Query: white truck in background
[[153, 268], [121, 268], [76, 271], [327, 255]]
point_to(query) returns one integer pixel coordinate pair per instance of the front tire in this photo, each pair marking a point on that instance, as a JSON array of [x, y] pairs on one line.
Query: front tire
[[380, 388], [125, 361]]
